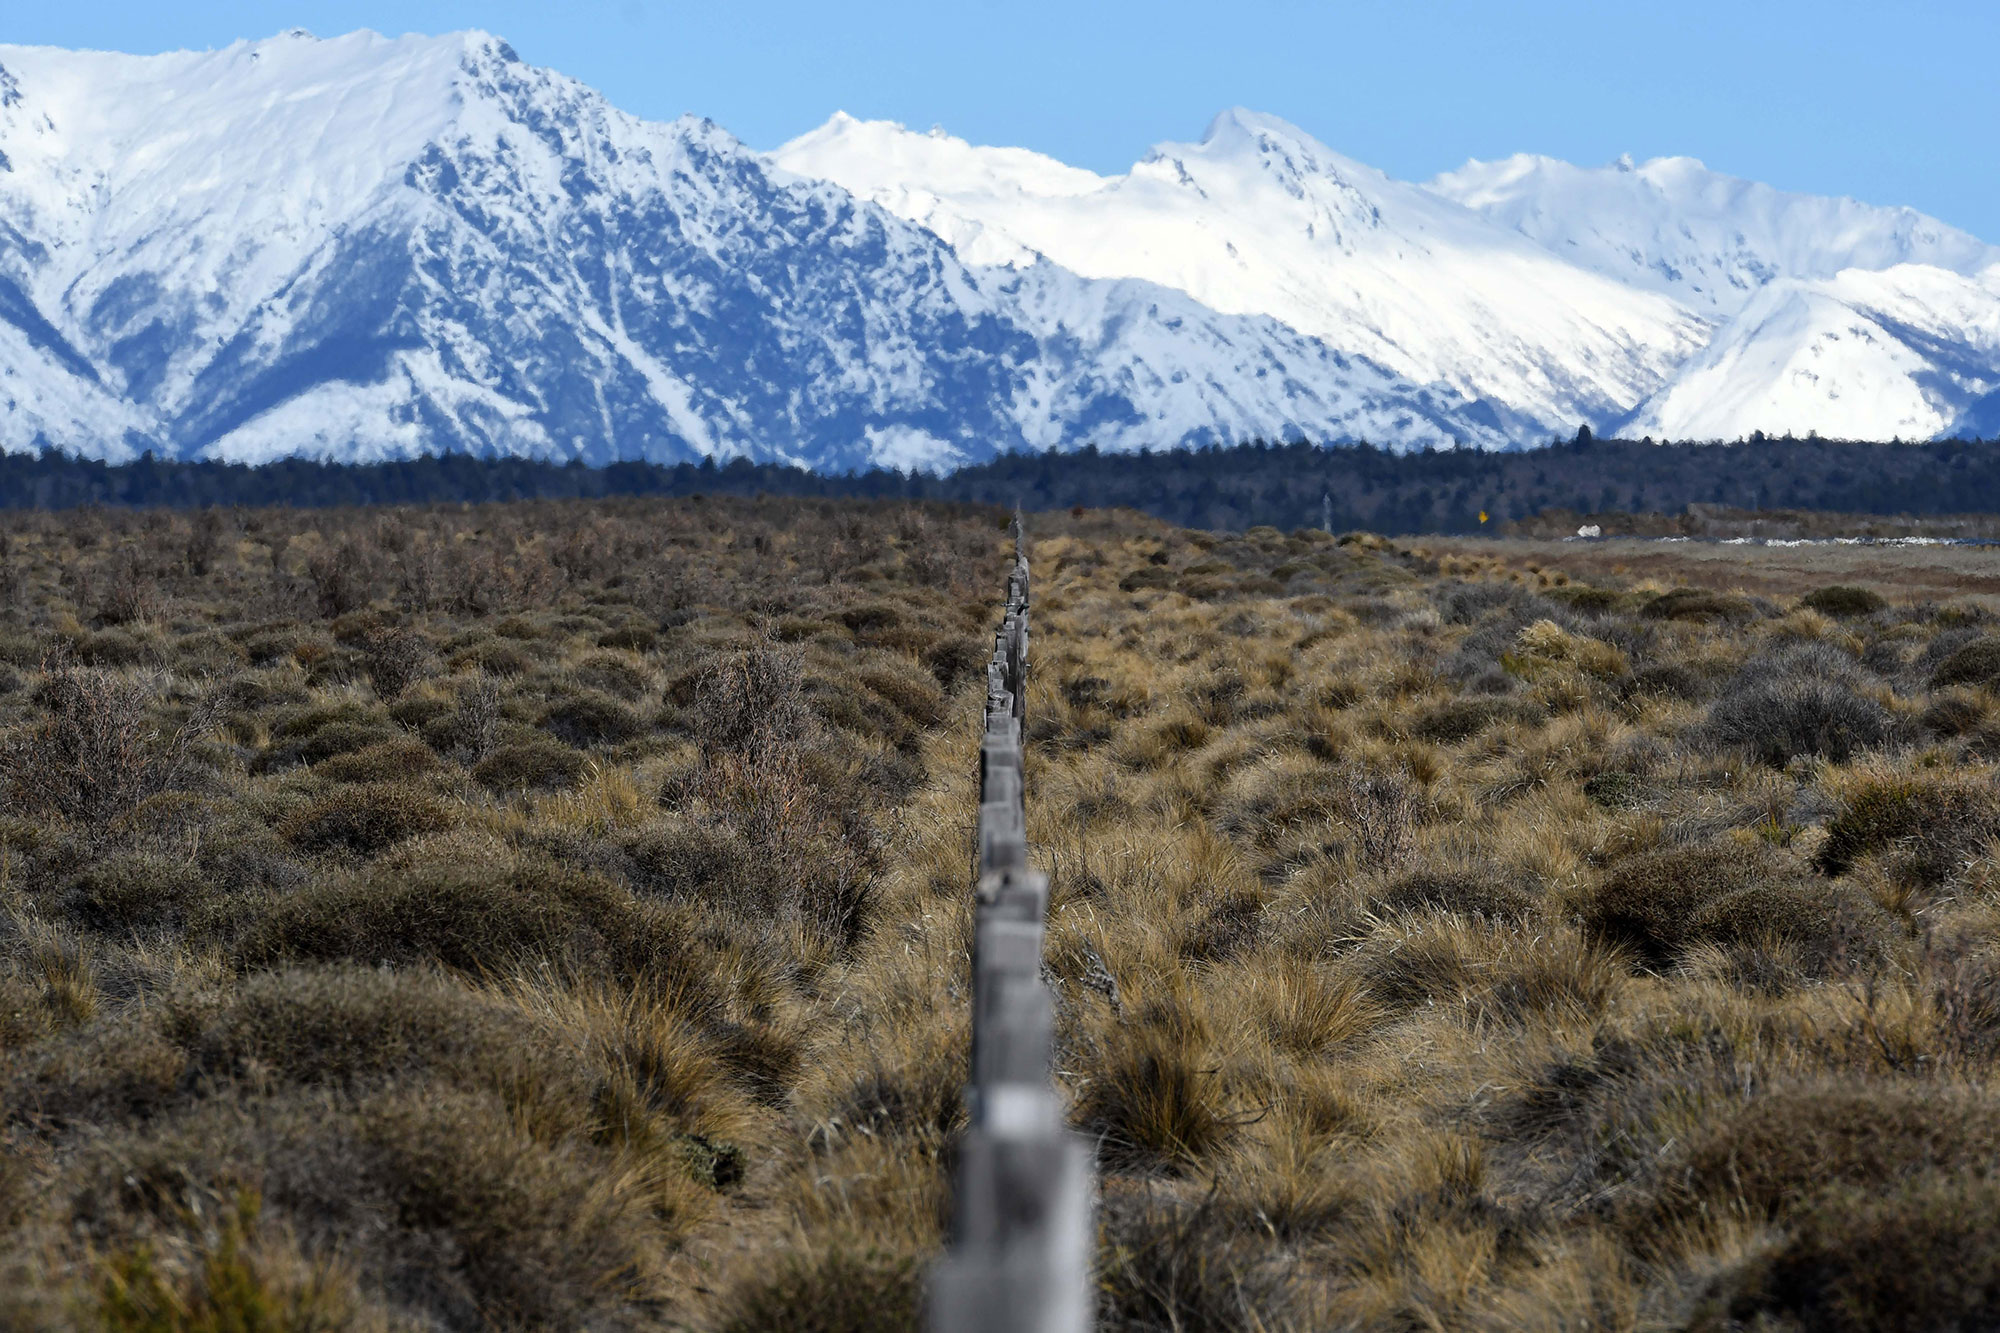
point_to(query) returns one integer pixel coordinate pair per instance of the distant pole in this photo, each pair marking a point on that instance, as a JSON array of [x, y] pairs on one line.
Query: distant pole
[[1326, 511]]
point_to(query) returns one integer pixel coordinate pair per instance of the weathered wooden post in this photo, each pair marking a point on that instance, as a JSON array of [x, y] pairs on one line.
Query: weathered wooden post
[[1022, 1235]]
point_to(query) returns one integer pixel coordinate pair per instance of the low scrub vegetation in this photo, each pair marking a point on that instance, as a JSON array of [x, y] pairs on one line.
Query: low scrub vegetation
[[442, 918], [556, 915]]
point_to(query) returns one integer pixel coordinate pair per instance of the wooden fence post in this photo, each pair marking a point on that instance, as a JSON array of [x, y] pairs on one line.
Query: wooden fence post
[[1022, 1231]]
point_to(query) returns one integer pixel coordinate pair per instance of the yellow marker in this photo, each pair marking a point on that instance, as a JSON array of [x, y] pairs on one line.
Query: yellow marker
[[1482, 516]]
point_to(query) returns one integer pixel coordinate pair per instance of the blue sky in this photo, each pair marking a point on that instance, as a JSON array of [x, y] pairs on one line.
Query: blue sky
[[1896, 101]]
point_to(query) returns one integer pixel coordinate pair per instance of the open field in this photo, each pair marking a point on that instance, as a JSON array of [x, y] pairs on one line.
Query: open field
[[556, 916], [1914, 573]]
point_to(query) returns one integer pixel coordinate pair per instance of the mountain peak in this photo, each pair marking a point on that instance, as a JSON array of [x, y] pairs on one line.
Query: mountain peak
[[1709, 240], [1239, 130]]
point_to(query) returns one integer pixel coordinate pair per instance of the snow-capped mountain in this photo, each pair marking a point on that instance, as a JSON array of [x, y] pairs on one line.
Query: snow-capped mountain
[[363, 248], [366, 247], [1261, 218], [1710, 241], [1769, 311], [1911, 352], [1838, 316]]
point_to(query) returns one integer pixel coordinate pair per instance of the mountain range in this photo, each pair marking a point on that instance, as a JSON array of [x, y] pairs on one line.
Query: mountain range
[[364, 248]]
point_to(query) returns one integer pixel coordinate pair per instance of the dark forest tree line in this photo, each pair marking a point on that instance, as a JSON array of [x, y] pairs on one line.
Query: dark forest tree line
[[1284, 485]]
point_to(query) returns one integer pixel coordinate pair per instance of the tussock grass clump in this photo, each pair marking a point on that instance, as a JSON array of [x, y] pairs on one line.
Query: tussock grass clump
[[1806, 701], [1919, 1257], [1930, 825], [365, 819], [530, 764], [1152, 1098], [1977, 663], [1483, 892], [1652, 902], [1168, 1263], [841, 1291], [1843, 600], [1777, 1150]]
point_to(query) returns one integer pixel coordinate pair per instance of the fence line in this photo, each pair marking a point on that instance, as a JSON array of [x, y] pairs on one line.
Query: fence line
[[1022, 1233]]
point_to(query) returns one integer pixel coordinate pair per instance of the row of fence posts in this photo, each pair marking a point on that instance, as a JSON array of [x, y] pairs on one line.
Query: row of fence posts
[[1022, 1233]]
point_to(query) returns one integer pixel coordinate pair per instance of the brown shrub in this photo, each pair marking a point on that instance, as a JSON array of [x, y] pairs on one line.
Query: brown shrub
[[700, 861], [365, 819], [487, 916], [386, 761], [1650, 902], [341, 578], [98, 750], [1698, 604], [454, 1214], [834, 1291], [1798, 702], [591, 718], [395, 659], [1977, 663], [1842, 600], [1777, 1150], [1922, 1257], [1931, 825], [915, 697], [136, 890], [612, 673], [539, 763], [349, 1026]]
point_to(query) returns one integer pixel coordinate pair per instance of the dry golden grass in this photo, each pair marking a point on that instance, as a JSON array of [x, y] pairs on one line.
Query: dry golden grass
[[558, 916], [1422, 922]]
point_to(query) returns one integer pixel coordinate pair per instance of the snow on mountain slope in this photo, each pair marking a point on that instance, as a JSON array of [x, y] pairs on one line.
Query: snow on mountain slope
[[1260, 218], [1911, 352], [1708, 240], [965, 194], [365, 248]]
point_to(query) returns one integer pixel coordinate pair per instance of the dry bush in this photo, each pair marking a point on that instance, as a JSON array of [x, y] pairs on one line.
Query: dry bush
[[1700, 604], [341, 579], [1921, 1257], [1977, 663], [387, 761], [365, 819], [456, 1216], [1774, 1152], [1165, 1263], [1651, 902], [1842, 600], [840, 1291], [1802, 702], [396, 659], [1930, 825], [99, 749]]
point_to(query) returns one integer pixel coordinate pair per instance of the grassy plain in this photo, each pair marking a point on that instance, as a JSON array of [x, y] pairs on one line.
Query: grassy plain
[[556, 916]]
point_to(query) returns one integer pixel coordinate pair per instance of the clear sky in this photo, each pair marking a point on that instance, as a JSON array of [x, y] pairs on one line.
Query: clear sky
[[1893, 101]]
